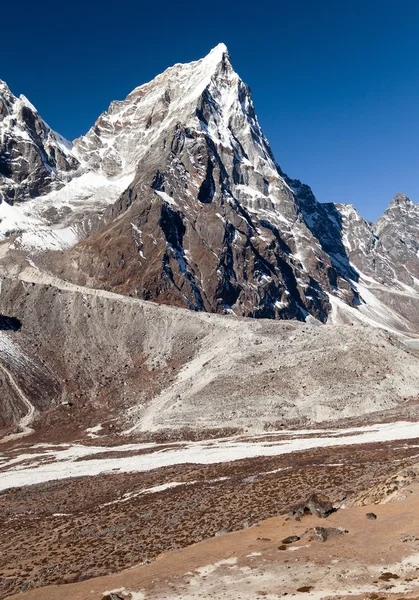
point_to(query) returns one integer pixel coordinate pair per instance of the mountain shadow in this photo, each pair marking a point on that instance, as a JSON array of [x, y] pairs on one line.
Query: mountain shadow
[[9, 323]]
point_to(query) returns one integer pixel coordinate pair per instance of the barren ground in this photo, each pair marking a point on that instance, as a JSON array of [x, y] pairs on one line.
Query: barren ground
[[70, 530]]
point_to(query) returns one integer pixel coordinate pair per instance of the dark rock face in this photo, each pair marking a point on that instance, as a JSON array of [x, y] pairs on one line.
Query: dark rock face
[[9, 323], [33, 158]]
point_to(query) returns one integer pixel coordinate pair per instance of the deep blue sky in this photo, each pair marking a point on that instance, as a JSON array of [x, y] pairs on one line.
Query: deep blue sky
[[335, 82]]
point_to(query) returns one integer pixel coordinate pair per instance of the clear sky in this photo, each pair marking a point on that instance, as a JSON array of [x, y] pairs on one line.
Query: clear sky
[[335, 82]]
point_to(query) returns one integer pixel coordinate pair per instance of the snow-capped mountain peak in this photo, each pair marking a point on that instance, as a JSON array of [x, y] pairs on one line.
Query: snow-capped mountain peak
[[181, 200], [123, 134]]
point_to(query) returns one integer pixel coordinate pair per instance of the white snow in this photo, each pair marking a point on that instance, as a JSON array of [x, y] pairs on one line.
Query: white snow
[[28, 104], [166, 198], [47, 239], [12, 219], [208, 569], [62, 463], [89, 192]]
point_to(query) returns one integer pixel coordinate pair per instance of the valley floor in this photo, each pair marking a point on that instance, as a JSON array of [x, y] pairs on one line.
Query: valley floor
[[375, 559], [213, 508]]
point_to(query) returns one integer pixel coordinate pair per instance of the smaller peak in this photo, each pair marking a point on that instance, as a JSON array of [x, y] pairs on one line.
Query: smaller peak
[[220, 49], [27, 103], [401, 199], [346, 206], [3, 86]]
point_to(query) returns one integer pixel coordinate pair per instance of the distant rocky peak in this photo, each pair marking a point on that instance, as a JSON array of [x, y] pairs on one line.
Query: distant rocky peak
[[401, 210], [33, 158], [400, 204], [401, 200], [5, 93]]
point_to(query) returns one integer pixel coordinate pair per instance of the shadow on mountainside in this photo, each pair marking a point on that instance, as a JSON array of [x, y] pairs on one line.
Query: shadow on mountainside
[[9, 323], [325, 222]]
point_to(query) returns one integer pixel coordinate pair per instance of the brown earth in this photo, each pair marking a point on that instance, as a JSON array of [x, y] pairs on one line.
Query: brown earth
[[375, 559], [70, 530]]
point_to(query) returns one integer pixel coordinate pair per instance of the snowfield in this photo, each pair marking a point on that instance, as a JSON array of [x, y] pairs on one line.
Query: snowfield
[[50, 464]]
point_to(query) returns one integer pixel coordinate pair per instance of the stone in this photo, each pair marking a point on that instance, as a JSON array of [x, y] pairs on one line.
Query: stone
[[290, 539], [321, 534], [316, 504]]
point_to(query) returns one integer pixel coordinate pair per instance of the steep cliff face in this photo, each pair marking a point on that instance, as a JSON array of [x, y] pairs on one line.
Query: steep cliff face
[[380, 260], [386, 250]]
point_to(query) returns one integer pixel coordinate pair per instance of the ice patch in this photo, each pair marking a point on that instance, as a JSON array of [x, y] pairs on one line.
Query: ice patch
[[167, 198]]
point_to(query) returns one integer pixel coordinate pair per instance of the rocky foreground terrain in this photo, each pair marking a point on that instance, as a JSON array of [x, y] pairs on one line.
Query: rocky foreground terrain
[[209, 521]]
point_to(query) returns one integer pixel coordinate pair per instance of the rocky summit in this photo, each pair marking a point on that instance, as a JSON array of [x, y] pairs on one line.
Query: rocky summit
[[33, 158]]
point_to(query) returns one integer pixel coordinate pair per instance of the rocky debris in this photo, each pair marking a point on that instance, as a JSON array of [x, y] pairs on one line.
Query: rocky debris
[[316, 504], [390, 490], [388, 576], [113, 366], [371, 516], [290, 539], [408, 538], [321, 534]]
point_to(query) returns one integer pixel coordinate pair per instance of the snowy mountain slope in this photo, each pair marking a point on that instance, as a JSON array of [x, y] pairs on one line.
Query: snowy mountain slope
[[182, 202], [45, 191], [381, 260]]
